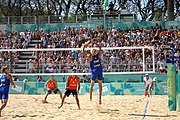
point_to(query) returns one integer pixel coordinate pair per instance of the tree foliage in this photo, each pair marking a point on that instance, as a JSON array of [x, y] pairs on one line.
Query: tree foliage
[[146, 9]]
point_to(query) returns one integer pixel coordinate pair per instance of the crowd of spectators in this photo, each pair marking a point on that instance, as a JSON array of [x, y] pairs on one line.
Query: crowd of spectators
[[14, 40], [113, 60]]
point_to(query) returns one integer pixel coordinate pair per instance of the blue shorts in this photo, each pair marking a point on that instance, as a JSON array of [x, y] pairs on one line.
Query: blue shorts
[[4, 93], [97, 76]]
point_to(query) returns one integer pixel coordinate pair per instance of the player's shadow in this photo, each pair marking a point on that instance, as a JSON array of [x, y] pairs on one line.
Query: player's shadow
[[69, 103], [109, 111], [103, 110], [20, 116], [153, 115]]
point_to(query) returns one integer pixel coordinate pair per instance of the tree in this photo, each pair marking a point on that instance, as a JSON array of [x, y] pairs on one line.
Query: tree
[[170, 9], [146, 9]]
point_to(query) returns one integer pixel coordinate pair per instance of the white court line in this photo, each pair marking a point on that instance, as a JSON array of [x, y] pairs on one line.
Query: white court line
[[145, 109]]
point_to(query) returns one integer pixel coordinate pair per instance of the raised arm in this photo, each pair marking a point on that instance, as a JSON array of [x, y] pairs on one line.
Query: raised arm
[[88, 56], [84, 52], [9, 77]]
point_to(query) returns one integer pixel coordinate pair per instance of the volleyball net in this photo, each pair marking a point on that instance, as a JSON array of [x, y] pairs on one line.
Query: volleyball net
[[64, 61]]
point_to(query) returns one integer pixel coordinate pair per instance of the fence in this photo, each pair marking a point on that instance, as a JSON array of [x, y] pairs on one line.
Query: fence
[[115, 17], [62, 19], [19, 23], [89, 25]]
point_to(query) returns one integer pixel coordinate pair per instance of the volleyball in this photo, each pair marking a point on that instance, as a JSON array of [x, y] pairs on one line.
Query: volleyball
[[25, 80]]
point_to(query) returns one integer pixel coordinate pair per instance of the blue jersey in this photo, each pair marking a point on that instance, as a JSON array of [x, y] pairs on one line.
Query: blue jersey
[[95, 64], [4, 87], [4, 82]]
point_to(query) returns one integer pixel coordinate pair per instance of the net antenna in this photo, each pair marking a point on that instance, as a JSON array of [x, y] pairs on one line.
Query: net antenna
[[144, 65]]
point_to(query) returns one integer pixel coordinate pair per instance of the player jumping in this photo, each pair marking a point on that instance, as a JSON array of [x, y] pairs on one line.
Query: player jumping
[[5, 80], [72, 86], [52, 86], [95, 67]]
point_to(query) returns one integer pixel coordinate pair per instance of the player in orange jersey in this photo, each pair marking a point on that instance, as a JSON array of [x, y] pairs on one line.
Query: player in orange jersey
[[72, 86], [52, 86]]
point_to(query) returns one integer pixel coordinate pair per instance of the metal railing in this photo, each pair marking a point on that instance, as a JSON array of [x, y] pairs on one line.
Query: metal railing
[[61, 19], [115, 17], [80, 68]]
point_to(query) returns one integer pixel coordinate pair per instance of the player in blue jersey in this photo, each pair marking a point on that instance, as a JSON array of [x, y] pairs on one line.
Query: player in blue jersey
[[96, 68], [5, 80]]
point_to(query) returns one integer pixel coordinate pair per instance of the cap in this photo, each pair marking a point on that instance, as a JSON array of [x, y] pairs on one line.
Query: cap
[[147, 75]]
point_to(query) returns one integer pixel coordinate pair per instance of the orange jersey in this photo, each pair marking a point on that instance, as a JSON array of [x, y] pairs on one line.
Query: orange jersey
[[51, 84], [72, 82]]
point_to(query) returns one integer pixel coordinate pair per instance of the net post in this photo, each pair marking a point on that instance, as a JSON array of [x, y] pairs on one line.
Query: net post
[[171, 82], [143, 59], [178, 86], [178, 90]]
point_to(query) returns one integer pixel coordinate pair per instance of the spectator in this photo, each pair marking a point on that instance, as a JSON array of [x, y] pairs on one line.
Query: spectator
[[31, 66], [40, 79], [116, 60], [161, 66], [49, 65]]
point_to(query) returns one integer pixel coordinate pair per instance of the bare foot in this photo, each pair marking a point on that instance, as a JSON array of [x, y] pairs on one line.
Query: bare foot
[[100, 102], [79, 108], [60, 106], [44, 101]]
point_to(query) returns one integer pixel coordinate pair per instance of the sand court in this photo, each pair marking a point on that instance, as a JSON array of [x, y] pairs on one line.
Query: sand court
[[30, 107]]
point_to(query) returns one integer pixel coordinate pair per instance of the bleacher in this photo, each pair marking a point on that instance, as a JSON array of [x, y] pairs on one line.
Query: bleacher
[[22, 65]]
